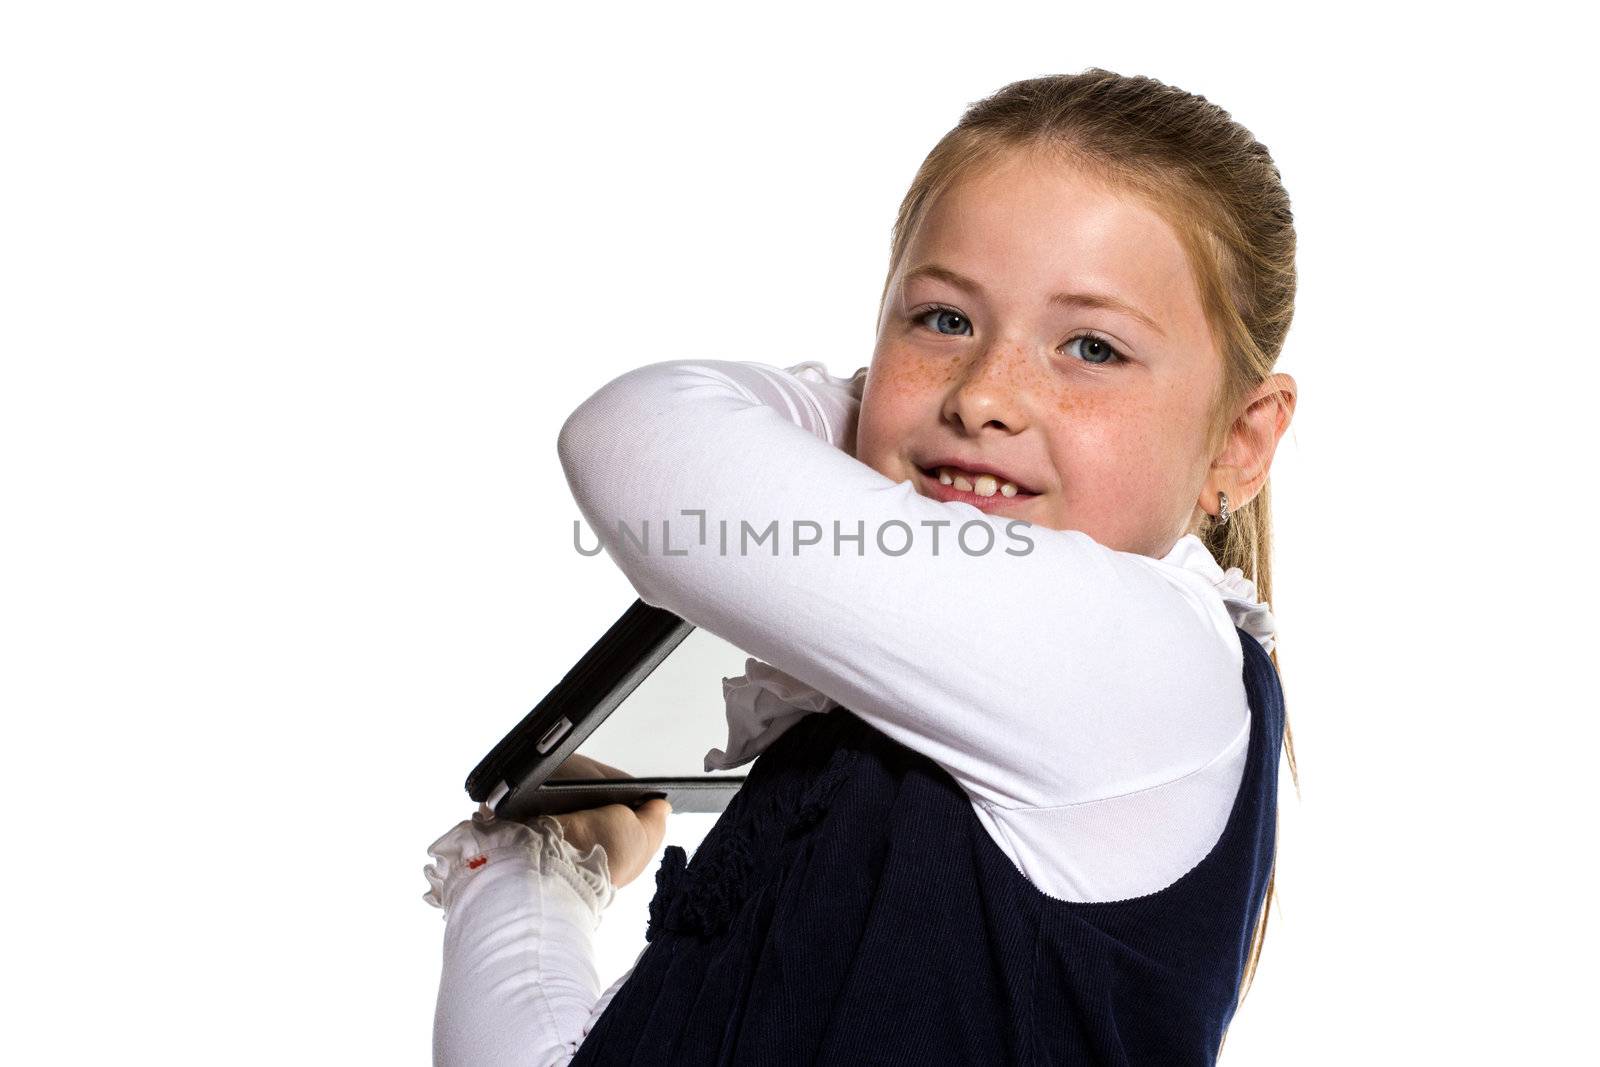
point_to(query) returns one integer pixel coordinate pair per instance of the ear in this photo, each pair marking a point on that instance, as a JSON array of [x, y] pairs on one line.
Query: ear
[[1241, 468]]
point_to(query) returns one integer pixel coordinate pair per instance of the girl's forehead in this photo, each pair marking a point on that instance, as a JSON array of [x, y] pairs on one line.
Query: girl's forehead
[[1026, 217], [1028, 231]]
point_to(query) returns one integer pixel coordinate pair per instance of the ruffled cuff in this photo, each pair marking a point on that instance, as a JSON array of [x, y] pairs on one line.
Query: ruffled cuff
[[475, 843]]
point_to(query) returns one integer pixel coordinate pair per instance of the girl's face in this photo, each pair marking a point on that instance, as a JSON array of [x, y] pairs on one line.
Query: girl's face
[[1044, 327]]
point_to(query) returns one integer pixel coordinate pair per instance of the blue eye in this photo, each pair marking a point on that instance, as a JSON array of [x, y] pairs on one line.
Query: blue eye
[[1098, 351], [1099, 346], [939, 309]]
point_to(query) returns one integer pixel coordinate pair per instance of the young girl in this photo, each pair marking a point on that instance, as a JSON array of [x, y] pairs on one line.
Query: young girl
[[1015, 728]]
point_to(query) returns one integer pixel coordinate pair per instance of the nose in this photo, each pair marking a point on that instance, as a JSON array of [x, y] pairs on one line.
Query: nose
[[989, 391]]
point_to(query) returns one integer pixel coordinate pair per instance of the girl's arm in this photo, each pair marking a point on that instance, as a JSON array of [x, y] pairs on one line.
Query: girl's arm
[[1066, 673], [518, 985]]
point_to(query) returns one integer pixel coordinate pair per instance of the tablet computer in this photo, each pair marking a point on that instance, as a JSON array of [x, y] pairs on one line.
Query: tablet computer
[[517, 778]]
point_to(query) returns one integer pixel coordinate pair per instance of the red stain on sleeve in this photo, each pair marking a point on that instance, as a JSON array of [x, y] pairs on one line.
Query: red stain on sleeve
[[477, 861]]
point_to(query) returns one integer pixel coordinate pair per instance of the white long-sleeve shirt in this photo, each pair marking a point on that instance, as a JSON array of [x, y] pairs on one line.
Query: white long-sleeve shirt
[[1089, 701]]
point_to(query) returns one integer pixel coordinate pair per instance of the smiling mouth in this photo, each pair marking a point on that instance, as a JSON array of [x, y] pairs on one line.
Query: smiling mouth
[[972, 495]]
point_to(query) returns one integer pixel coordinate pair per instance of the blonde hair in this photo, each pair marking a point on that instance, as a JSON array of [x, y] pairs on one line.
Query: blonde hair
[[1219, 189]]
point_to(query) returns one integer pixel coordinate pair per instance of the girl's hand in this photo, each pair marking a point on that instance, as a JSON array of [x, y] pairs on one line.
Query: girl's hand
[[578, 765], [630, 836]]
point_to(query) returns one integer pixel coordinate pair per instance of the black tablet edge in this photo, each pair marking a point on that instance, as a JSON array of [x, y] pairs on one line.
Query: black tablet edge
[[613, 667], [687, 794]]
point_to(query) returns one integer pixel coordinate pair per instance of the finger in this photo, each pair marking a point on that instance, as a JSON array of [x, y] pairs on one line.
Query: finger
[[577, 765], [653, 816], [608, 771], [574, 766]]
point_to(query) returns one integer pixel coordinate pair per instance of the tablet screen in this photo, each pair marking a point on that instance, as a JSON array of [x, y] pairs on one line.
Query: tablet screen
[[666, 725]]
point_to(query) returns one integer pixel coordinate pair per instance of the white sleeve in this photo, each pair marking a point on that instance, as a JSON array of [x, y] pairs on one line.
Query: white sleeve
[[1046, 670], [518, 983]]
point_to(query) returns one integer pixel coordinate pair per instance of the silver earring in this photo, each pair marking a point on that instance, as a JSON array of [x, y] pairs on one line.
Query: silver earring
[[1222, 509]]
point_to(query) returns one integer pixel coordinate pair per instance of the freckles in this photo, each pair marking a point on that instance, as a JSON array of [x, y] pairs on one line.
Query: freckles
[[1083, 403], [1121, 430], [915, 377], [1030, 378]]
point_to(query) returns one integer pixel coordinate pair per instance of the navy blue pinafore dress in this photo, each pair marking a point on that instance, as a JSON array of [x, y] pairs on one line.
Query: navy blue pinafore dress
[[849, 908]]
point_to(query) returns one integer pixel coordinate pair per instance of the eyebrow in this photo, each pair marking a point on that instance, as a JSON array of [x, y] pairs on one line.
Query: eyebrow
[[1090, 300]]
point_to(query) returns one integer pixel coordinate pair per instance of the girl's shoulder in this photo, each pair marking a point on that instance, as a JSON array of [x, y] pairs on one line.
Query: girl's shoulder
[[1191, 565]]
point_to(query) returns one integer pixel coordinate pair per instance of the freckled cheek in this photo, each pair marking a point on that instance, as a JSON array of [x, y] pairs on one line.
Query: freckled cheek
[[905, 374], [901, 393]]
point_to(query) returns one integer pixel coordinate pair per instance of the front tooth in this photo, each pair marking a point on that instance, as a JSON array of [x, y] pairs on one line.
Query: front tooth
[[986, 485], [962, 484], [1008, 489]]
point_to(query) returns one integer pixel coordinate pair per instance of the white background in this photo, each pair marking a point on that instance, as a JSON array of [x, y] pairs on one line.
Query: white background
[[296, 296]]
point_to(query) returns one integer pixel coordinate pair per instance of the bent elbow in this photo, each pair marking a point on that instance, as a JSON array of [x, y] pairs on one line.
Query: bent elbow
[[613, 409]]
